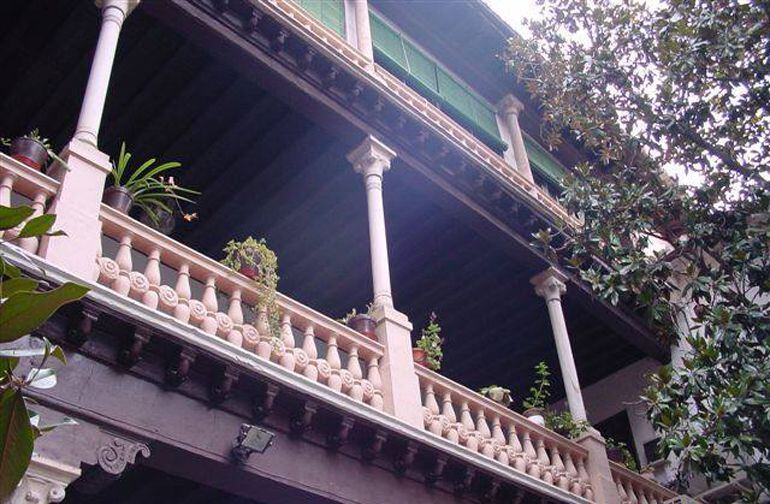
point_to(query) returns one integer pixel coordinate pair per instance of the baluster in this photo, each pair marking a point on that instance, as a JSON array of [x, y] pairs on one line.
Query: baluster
[[482, 427], [151, 297], [533, 468], [6, 188], [264, 347], [631, 492], [354, 367], [559, 471], [184, 293], [310, 349], [622, 491], [38, 206], [287, 360], [517, 452], [471, 441], [448, 412], [235, 312], [431, 411], [643, 496], [333, 359], [210, 303], [588, 491], [498, 439], [572, 473], [545, 463], [122, 284], [376, 380]]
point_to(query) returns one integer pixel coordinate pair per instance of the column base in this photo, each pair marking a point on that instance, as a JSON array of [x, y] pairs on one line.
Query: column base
[[44, 482], [400, 384], [605, 490]]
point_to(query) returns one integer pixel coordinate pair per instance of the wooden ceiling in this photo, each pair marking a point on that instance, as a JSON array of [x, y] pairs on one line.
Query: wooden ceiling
[[267, 170]]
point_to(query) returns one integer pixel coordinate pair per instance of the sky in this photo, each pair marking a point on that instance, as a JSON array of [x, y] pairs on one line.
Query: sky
[[513, 11]]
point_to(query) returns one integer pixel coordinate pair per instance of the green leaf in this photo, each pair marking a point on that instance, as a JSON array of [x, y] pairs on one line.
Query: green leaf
[[37, 226], [10, 217], [24, 312], [21, 284], [8, 270], [16, 440], [7, 365], [44, 378]]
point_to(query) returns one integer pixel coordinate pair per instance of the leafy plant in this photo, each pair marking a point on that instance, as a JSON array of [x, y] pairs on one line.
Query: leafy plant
[[353, 313], [45, 142], [668, 100], [498, 394], [540, 391], [148, 186], [564, 424], [430, 341], [256, 254], [23, 308], [628, 458]]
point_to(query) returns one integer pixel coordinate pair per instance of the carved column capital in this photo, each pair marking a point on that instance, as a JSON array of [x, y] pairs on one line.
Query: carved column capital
[[371, 157], [45, 481], [550, 284], [510, 105]]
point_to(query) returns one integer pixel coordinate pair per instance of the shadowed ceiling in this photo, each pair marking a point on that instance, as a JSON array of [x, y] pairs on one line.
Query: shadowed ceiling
[[267, 170]]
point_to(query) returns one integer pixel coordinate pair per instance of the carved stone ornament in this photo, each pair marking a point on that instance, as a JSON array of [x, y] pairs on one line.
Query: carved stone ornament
[[118, 453], [44, 482]]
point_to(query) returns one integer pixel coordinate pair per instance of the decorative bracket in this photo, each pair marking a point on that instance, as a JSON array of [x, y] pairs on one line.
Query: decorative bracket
[[176, 374], [435, 473], [222, 389], [465, 482], [371, 452], [338, 438], [81, 326], [302, 420], [131, 355], [263, 406], [403, 462]]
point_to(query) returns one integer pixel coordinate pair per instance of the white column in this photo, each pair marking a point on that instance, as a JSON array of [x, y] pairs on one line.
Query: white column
[[372, 159], [509, 109], [114, 12], [550, 286], [44, 482], [363, 30]]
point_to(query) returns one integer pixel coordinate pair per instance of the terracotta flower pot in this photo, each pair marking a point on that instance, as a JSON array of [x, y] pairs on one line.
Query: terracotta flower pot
[[30, 152], [420, 357], [118, 198], [535, 415], [364, 324], [251, 271]]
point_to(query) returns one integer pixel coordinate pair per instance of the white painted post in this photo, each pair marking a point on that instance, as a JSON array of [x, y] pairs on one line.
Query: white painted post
[[510, 108], [363, 30], [114, 12], [550, 286]]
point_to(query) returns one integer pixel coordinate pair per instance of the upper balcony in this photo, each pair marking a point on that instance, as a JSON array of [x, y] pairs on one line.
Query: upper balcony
[[270, 157]]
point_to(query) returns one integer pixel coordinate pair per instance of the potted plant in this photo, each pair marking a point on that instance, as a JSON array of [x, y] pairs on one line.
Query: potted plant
[[563, 423], [31, 149], [498, 394], [362, 322], [618, 451], [252, 258], [427, 351], [538, 394], [144, 187]]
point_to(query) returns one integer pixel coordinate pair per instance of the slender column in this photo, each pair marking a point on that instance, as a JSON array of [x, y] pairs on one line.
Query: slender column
[[363, 30], [114, 12], [510, 108], [44, 482], [371, 159], [550, 286]]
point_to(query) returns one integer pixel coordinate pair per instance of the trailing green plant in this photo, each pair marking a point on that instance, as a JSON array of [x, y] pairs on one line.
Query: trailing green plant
[[563, 423], [540, 391], [149, 186], [256, 254], [430, 341], [354, 313], [43, 141], [500, 395], [24, 308], [628, 458]]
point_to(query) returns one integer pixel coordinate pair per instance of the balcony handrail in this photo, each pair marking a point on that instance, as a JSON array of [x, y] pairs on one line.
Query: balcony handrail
[[621, 472], [201, 267], [444, 384], [27, 181]]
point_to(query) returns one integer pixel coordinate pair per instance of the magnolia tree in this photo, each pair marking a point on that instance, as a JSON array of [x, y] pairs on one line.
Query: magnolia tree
[[670, 101]]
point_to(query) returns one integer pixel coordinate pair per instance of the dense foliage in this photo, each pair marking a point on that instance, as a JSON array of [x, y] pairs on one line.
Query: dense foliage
[[651, 89]]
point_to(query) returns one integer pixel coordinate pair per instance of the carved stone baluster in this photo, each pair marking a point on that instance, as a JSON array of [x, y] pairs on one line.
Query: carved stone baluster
[[354, 367], [235, 313], [184, 293], [516, 455], [622, 491], [498, 440], [448, 412], [632, 498], [122, 284], [469, 427], [545, 463], [311, 350], [333, 359], [431, 411], [643, 496], [560, 477], [209, 300], [533, 468], [6, 188], [588, 491], [38, 206], [572, 474], [265, 346], [375, 379], [287, 338], [151, 297], [486, 435]]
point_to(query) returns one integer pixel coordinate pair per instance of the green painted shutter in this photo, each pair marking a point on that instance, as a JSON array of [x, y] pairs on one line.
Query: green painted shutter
[[543, 162], [387, 43], [421, 67], [485, 117], [454, 94], [329, 12]]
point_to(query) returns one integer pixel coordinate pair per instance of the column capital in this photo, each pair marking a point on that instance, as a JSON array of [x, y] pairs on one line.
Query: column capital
[[510, 105], [44, 482], [550, 284], [371, 157], [125, 6]]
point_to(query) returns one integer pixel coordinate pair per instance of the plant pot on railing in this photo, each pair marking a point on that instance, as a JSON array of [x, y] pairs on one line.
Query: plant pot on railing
[[29, 151], [119, 198], [536, 416], [420, 357], [615, 454], [163, 220], [364, 324], [251, 270]]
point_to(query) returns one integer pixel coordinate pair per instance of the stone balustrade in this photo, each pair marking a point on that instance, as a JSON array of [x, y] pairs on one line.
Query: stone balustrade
[[167, 276], [469, 419], [22, 185], [636, 489]]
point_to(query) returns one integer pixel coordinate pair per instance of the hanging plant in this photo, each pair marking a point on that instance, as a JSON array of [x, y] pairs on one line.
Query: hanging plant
[[427, 351]]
